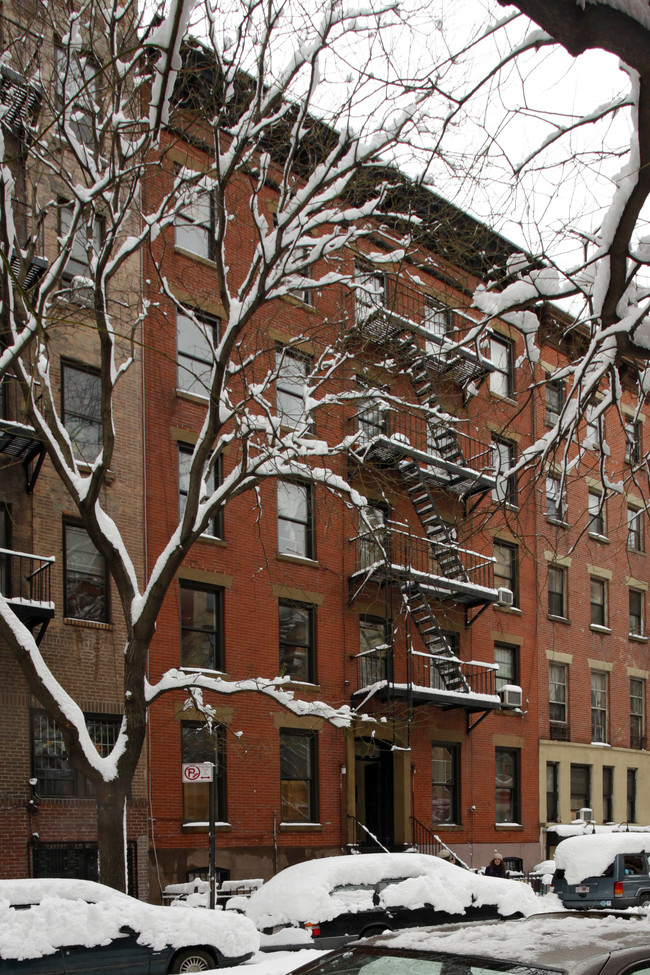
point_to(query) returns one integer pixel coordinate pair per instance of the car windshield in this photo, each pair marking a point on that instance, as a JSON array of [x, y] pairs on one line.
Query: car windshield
[[376, 961]]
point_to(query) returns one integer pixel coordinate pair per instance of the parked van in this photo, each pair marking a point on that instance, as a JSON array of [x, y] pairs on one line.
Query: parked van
[[603, 870]]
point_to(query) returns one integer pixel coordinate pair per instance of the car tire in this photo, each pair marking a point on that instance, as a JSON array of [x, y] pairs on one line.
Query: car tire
[[192, 960], [644, 900]]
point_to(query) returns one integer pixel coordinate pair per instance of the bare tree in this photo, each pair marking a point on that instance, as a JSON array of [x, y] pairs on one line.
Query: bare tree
[[95, 117]]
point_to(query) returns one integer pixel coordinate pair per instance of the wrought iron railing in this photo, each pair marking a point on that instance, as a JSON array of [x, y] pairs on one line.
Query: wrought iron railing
[[423, 672], [25, 578], [412, 429], [410, 555], [374, 666], [424, 839], [12, 401]]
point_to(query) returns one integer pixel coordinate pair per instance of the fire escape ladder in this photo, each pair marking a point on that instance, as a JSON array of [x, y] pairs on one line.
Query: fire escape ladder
[[434, 639], [443, 545]]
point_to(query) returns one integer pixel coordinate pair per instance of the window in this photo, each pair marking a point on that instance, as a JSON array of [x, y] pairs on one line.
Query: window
[[215, 526], [507, 657], [507, 785], [5, 543], [557, 590], [637, 712], [598, 706], [608, 794], [580, 788], [632, 441], [372, 418], [196, 338], [290, 386], [445, 804], [374, 650], [552, 792], [505, 568], [596, 513], [194, 225], [295, 530], [370, 293], [76, 91], [86, 577], [558, 698], [502, 379], [598, 601], [554, 499], [594, 426], [55, 777], [78, 264], [438, 321], [554, 395], [634, 535], [631, 795], [297, 644], [503, 460], [201, 627], [636, 599], [373, 537], [82, 410], [201, 744], [298, 776]]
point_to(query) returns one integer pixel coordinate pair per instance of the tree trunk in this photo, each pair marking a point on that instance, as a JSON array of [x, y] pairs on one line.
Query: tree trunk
[[111, 834]]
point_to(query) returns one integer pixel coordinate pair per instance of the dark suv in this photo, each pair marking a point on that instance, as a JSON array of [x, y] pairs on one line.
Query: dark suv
[[624, 883]]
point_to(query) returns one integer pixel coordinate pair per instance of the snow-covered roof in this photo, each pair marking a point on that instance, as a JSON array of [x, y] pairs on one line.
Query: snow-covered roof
[[590, 855], [79, 912], [315, 890]]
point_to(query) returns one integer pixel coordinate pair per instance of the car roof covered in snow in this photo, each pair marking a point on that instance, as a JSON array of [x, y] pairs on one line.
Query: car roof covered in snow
[[316, 889], [590, 855]]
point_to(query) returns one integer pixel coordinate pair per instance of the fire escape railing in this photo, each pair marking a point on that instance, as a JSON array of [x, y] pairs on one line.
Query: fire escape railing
[[26, 578]]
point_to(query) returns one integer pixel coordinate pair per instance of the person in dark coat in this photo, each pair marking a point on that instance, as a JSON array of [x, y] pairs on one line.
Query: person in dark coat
[[496, 867]]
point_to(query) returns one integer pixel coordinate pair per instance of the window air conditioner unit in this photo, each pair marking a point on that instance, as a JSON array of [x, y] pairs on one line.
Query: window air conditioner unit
[[511, 694], [586, 813], [506, 597]]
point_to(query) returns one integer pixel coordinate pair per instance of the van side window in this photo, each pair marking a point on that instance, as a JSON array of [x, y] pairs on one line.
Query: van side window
[[633, 865]]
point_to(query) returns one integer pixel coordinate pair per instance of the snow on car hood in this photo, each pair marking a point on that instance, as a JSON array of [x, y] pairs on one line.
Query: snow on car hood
[[308, 891], [56, 920], [590, 855]]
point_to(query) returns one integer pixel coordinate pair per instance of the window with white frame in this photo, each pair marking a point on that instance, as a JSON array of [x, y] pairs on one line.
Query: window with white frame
[[599, 729], [445, 784], [373, 537], [506, 568], [81, 394], [370, 292], [374, 650], [634, 529], [196, 339], [438, 321], [78, 263], [554, 498], [501, 356], [633, 449], [292, 369], [598, 601], [506, 656], [636, 598], [194, 224], [295, 519], [85, 595], [372, 414], [507, 785], [185, 451], [554, 400], [504, 455], [558, 698], [637, 712], [596, 507]]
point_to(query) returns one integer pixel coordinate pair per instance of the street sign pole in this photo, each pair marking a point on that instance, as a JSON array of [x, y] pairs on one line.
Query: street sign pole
[[212, 852]]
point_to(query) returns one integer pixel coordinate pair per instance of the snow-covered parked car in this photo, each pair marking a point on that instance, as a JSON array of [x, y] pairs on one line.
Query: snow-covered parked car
[[603, 870], [51, 927], [326, 903]]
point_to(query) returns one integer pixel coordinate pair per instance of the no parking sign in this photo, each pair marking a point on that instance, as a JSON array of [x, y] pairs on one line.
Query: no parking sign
[[197, 772]]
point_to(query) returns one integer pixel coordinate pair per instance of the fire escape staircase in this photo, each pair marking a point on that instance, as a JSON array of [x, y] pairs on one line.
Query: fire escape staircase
[[442, 656]]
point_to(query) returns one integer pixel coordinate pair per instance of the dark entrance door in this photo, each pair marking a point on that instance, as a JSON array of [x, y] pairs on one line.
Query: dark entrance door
[[374, 778]]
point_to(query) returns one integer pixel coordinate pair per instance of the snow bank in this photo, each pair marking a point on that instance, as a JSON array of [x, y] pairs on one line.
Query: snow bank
[[590, 855], [78, 912], [315, 890]]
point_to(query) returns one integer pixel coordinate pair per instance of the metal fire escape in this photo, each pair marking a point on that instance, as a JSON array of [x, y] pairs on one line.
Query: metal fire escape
[[437, 572]]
